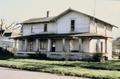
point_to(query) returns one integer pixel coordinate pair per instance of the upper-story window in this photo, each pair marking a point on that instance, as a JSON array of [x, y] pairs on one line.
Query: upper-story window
[[72, 25], [45, 27], [31, 29]]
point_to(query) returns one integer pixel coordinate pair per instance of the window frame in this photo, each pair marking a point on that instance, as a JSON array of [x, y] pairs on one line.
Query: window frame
[[45, 27], [72, 25]]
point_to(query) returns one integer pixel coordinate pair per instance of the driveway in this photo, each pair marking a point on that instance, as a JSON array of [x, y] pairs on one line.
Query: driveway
[[7, 73]]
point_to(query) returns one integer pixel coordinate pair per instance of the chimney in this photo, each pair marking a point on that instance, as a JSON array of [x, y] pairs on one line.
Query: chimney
[[47, 13]]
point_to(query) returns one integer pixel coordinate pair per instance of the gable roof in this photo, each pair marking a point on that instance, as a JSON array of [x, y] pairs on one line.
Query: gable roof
[[53, 19], [38, 20]]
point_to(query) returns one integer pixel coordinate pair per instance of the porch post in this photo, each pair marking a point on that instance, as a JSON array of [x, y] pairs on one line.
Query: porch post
[[49, 45], [37, 44], [63, 43], [80, 45], [105, 45], [98, 46], [26, 45], [17, 45], [70, 45]]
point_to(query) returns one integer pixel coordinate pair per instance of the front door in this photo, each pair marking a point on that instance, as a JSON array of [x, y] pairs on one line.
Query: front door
[[30, 45], [53, 46]]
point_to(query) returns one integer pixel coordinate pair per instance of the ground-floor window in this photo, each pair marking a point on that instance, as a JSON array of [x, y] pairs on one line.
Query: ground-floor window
[[31, 46], [101, 47], [97, 46], [23, 45], [42, 44]]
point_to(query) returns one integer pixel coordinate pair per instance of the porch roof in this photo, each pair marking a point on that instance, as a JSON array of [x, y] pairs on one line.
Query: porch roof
[[92, 35], [65, 35]]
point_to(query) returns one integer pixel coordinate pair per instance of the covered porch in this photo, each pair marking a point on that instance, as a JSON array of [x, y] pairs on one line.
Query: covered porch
[[76, 46]]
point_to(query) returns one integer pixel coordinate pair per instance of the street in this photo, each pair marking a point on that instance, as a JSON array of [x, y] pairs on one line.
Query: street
[[7, 73]]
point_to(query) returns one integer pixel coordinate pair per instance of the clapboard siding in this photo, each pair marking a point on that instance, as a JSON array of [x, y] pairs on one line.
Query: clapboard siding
[[62, 25], [81, 23], [101, 29]]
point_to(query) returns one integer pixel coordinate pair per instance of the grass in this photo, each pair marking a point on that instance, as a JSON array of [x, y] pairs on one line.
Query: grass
[[96, 70]]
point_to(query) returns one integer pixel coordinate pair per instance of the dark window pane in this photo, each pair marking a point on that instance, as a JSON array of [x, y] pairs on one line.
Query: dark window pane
[[72, 25], [72, 22], [45, 27]]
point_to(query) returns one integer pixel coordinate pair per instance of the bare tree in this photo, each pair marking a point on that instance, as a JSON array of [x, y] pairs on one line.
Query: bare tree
[[5, 26]]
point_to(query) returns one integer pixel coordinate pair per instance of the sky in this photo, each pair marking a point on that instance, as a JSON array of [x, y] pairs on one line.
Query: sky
[[20, 10]]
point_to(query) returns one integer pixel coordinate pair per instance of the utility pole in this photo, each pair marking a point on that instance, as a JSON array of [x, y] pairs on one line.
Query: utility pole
[[94, 9], [94, 13]]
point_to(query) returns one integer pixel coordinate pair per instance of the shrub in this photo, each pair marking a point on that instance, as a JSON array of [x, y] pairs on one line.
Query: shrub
[[38, 55], [98, 57], [4, 53]]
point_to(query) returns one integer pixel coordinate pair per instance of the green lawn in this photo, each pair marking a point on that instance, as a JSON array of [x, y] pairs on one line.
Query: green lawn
[[108, 70]]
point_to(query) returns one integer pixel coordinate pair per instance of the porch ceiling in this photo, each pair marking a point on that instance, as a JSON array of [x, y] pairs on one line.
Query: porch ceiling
[[65, 35], [90, 35], [45, 35]]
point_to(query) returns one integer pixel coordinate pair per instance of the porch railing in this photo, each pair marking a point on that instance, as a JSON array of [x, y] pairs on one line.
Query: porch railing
[[69, 55]]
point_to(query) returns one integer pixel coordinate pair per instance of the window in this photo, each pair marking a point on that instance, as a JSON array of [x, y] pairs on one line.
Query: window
[[31, 29], [72, 25], [31, 45], [97, 47], [42, 44], [45, 27], [7, 34], [101, 47]]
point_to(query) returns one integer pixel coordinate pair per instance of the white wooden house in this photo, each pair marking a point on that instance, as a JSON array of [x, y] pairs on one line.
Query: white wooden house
[[71, 32]]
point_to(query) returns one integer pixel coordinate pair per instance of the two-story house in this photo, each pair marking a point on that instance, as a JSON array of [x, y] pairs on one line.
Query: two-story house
[[71, 32]]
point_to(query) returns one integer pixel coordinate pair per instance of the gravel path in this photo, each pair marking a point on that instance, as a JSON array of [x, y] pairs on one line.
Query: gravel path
[[7, 73]]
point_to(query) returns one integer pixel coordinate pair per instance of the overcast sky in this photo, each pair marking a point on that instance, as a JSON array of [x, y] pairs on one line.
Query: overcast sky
[[20, 10]]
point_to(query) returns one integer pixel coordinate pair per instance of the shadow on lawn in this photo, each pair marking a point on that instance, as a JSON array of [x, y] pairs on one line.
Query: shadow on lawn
[[5, 54], [91, 65], [97, 65], [41, 66], [37, 67]]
